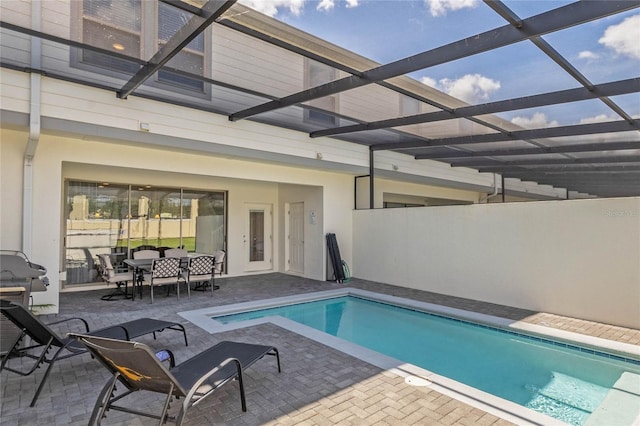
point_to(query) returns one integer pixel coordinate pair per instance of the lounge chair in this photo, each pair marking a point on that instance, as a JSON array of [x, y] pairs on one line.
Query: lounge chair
[[135, 366], [44, 338]]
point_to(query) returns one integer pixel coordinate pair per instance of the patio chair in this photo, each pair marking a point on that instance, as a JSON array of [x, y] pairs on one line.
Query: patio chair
[[167, 271], [175, 252], [143, 254], [44, 338], [132, 253], [219, 264], [110, 276], [200, 271], [135, 366]]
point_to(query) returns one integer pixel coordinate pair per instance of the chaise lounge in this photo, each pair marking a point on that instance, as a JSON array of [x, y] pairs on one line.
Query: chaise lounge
[[44, 338], [137, 368]]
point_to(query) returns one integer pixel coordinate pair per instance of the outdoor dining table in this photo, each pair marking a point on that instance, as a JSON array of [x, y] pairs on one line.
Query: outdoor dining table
[[140, 266]]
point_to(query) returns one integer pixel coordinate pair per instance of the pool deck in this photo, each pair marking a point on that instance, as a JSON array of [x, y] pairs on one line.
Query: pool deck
[[319, 385]]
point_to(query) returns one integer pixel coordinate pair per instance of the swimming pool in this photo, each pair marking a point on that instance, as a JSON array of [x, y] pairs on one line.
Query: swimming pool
[[564, 381]]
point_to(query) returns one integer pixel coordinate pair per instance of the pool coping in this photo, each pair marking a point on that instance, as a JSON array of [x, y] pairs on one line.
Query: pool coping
[[414, 375]]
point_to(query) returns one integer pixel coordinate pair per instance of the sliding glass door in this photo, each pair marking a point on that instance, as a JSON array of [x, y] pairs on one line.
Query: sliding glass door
[[114, 218]]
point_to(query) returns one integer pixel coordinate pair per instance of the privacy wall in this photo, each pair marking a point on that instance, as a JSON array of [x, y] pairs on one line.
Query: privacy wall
[[579, 258]]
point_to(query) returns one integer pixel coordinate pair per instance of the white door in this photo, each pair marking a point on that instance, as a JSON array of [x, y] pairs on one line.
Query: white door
[[295, 238], [257, 238]]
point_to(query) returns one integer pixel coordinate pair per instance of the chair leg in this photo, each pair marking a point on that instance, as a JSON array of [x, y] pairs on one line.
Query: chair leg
[[243, 399], [46, 375], [166, 405], [277, 355], [103, 401], [183, 412], [151, 293], [14, 347]]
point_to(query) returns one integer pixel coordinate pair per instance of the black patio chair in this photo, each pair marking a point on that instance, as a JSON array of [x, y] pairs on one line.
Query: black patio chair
[[135, 366], [44, 338]]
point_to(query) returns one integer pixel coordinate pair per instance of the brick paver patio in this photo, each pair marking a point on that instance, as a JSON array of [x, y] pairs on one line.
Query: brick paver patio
[[318, 385]]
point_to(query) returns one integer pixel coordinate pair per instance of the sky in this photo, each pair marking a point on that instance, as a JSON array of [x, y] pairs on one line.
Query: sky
[[388, 30]]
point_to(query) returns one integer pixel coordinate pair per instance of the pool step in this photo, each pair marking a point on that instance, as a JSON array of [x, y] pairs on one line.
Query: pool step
[[567, 398], [621, 406]]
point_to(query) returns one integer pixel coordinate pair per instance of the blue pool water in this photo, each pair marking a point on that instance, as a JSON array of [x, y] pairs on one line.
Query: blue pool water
[[563, 382]]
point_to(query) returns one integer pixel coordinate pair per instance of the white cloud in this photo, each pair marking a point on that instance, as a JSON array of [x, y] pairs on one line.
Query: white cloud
[[471, 88], [623, 38], [429, 82], [598, 119], [537, 121], [588, 55], [440, 7], [325, 5], [270, 7]]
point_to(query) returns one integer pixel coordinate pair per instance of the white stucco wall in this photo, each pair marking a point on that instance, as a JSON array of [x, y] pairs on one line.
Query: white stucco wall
[[579, 258], [63, 157]]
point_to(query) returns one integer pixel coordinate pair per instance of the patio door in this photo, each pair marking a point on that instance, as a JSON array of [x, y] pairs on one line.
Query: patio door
[[258, 238]]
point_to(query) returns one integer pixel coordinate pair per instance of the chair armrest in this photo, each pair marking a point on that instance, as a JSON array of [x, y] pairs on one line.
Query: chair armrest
[[211, 372], [86, 325], [166, 355]]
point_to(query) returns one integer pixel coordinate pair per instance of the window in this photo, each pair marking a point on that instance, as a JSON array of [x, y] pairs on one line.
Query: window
[[190, 58], [317, 74], [114, 26], [104, 218], [138, 29]]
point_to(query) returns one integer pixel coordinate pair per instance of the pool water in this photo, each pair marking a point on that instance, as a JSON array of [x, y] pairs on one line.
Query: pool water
[[551, 378]]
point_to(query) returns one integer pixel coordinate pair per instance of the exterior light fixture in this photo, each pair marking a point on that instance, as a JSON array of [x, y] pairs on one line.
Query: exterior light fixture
[[118, 47]]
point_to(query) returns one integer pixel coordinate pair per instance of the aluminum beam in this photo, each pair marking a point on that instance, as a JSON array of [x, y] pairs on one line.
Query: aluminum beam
[[208, 14], [553, 132], [563, 149], [561, 168], [475, 162], [563, 17], [183, 6], [552, 98], [65, 41]]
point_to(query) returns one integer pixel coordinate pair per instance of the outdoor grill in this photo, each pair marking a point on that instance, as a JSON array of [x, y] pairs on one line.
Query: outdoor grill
[[19, 277]]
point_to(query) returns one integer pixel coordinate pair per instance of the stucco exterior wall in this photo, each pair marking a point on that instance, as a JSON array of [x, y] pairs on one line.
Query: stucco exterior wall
[[62, 157], [579, 258]]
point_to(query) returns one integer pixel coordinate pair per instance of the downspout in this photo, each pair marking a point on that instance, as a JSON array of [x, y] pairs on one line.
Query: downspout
[[371, 178], [495, 189], [34, 131]]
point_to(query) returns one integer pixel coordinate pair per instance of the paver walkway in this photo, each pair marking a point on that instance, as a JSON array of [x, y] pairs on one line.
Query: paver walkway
[[318, 385]]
